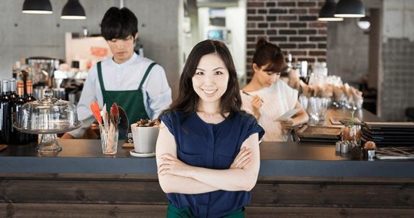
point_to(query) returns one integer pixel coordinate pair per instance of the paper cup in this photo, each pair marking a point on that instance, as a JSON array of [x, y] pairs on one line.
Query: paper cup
[[144, 138]]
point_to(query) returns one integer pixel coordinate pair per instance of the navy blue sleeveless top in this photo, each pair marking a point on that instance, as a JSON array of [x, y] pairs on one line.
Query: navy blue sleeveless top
[[211, 146]]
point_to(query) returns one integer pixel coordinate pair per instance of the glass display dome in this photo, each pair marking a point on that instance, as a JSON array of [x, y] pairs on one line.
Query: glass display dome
[[47, 117]]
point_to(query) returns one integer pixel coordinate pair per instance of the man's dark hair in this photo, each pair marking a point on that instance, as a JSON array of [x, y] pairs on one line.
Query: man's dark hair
[[119, 24]]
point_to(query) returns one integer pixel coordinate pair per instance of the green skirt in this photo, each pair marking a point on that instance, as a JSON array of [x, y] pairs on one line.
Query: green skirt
[[173, 212]]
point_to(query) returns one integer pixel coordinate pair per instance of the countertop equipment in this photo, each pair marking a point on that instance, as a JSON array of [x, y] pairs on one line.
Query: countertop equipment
[[47, 117]]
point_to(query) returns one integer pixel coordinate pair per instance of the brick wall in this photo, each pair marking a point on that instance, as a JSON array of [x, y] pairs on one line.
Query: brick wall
[[290, 24]]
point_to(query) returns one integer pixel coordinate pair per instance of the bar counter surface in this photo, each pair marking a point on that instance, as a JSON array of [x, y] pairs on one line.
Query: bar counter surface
[[82, 156], [295, 180]]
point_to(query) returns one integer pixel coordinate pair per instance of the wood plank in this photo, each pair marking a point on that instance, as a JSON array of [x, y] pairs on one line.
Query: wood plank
[[320, 212], [144, 192], [144, 211], [334, 195], [81, 210], [80, 176], [26, 191]]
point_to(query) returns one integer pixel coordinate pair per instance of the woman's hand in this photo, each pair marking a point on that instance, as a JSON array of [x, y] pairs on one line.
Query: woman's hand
[[173, 166], [257, 103], [242, 159]]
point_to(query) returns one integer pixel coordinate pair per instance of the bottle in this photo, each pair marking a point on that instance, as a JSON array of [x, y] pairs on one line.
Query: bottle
[[289, 63], [5, 125], [303, 72], [18, 137], [13, 98], [29, 98], [13, 93], [29, 91]]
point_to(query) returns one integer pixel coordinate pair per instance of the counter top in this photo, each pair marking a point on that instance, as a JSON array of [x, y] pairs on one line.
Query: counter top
[[277, 160]]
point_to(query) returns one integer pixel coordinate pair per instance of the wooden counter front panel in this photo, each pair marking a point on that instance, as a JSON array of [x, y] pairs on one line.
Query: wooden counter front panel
[[82, 191], [77, 197], [357, 195]]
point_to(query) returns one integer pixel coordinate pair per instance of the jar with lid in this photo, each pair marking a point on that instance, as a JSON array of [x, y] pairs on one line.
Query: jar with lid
[[47, 117]]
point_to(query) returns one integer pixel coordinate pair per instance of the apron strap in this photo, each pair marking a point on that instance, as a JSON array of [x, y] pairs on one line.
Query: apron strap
[[100, 77], [146, 74]]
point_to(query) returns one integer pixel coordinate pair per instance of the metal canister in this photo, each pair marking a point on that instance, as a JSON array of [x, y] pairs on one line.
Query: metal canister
[[371, 154], [344, 148], [338, 146]]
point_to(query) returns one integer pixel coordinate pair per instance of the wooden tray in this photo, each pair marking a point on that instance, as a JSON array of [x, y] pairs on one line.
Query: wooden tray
[[395, 153], [386, 132], [396, 126], [319, 132]]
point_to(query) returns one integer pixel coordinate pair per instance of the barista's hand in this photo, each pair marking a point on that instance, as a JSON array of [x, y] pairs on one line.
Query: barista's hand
[[67, 136], [287, 124], [242, 158], [257, 103]]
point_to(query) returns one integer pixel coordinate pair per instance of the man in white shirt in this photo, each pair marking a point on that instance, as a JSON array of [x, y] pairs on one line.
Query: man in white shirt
[[135, 83]]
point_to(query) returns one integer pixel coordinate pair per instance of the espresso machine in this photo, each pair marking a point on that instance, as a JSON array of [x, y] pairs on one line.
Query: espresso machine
[[42, 69]]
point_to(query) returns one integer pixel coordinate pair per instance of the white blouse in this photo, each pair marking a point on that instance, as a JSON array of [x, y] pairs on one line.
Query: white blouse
[[277, 100]]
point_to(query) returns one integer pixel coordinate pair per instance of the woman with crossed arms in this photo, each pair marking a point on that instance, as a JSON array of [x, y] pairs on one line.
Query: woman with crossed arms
[[208, 149]]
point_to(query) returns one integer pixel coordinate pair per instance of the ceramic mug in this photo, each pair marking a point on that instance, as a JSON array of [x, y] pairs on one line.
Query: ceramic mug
[[144, 138]]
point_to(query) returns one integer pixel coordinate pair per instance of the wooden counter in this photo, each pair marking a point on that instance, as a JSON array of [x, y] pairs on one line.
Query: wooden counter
[[295, 180]]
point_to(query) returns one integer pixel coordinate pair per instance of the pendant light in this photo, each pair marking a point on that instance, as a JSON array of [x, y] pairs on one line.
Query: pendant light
[[364, 23], [327, 12], [37, 7], [350, 8], [73, 10]]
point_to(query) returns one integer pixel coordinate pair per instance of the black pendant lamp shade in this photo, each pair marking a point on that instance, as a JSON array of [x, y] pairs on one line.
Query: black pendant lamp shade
[[327, 12], [73, 10], [37, 7], [350, 8]]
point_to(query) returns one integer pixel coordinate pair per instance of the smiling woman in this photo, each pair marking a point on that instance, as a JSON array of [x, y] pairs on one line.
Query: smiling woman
[[199, 161], [210, 80]]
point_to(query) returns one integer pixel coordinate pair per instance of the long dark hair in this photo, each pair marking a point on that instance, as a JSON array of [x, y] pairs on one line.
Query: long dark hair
[[268, 54], [188, 99]]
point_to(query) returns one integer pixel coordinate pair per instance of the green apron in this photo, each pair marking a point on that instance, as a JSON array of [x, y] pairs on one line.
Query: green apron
[[132, 101]]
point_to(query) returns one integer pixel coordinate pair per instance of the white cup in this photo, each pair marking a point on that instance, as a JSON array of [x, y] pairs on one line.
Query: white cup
[[144, 138]]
